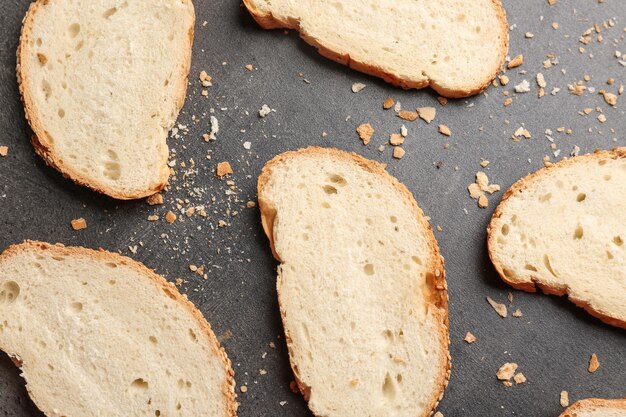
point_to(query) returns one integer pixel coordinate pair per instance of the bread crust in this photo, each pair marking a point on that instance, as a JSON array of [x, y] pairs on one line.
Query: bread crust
[[593, 402], [269, 21], [519, 187], [41, 139], [228, 389], [438, 285]]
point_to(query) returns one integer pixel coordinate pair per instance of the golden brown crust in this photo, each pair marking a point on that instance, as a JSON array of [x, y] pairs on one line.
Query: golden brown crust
[[41, 140], [436, 278], [168, 288], [269, 21], [519, 187], [581, 405]]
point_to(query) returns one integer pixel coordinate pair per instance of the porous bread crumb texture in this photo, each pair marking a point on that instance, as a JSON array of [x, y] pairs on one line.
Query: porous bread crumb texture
[[562, 230], [594, 407], [456, 47], [361, 285], [101, 92], [98, 334]]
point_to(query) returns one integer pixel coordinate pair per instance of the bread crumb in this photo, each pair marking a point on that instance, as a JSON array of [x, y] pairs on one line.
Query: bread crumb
[[365, 131], [594, 364], [601, 118], [398, 152], [508, 102], [499, 308], [249, 67], [445, 130], [438, 414], [519, 378], [389, 102], [609, 98], [521, 132], [541, 80], [153, 218], [243, 389], [523, 87], [516, 62], [442, 100], [396, 139], [223, 168], [506, 371], [4, 151], [552, 2], [250, 204], [357, 87], [407, 115], [484, 163], [517, 313], [170, 217], [155, 199], [504, 79], [79, 224], [469, 338], [483, 202], [427, 113], [564, 399], [204, 76]]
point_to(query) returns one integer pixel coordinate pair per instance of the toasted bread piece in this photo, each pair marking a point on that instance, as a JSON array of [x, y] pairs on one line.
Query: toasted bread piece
[[102, 84], [361, 285], [563, 228], [457, 47], [98, 334], [594, 407]]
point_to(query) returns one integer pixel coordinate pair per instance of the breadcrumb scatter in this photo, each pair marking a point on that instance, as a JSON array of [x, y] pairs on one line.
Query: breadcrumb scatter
[[357, 87], [469, 338], [407, 115], [389, 102], [499, 308], [398, 152], [445, 130], [594, 364], [564, 399], [170, 217], [396, 139], [506, 371], [155, 199], [265, 110], [516, 62], [79, 224], [519, 378], [427, 113], [4, 150]]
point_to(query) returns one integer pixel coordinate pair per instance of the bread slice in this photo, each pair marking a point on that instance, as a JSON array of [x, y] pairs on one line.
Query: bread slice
[[455, 46], [562, 230], [102, 84], [594, 407], [98, 334], [361, 285]]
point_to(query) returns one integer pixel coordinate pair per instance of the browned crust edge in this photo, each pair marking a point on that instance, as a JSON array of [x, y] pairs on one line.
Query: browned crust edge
[[228, 388], [437, 282], [269, 21], [519, 187], [593, 402], [40, 139]]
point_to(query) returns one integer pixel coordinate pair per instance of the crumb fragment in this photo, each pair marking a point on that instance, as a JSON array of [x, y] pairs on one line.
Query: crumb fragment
[[170, 217], [427, 113], [516, 62], [601, 118], [442, 100], [519, 378], [504, 80], [609, 98], [388, 103], [396, 139], [4, 151], [153, 218], [445, 130], [594, 364], [243, 389], [249, 67], [155, 199], [265, 110], [483, 202], [357, 87], [541, 80], [398, 152], [564, 399], [517, 313], [523, 87], [521, 132], [438, 414], [250, 204], [407, 115], [365, 131], [552, 2], [506, 371], [79, 224], [223, 168], [507, 102], [499, 308], [469, 338]]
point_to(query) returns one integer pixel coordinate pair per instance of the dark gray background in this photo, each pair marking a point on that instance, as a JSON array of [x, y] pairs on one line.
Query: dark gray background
[[551, 343]]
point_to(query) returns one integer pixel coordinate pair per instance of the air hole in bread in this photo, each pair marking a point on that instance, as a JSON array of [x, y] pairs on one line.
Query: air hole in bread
[[399, 378], [170, 37], [369, 221], [74, 30], [61, 113], [110, 12], [79, 45], [76, 307], [139, 385], [329, 189], [326, 205], [416, 259], [389, 388], [192, 336], [47, 89], [529, 267], [578, 232], [178, 406], [50, 367], [545, 197], [157, 413], [514, 219], [507, 273], [559, 184], [166, 83], [305, 237], [153, 340], [609, 255], [352, 325], [9, 291], [618, 241], [607, 177], [369, 269], [38, 42], [393, 219], [581, 197], [546, 262], [505, 229]]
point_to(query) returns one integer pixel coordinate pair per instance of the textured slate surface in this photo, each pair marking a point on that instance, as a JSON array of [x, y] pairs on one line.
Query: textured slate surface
[[551, 343]]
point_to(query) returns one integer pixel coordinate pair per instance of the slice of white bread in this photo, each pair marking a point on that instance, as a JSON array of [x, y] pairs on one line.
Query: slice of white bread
[[98, 334], [455, 46], [102, 84], [594, 407], [563, 230], [361, 285]]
